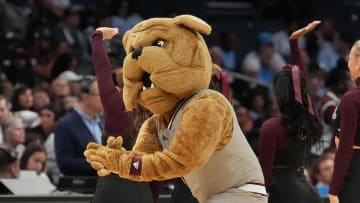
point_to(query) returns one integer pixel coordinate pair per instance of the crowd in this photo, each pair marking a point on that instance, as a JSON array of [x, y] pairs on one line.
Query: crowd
[[46, 68]]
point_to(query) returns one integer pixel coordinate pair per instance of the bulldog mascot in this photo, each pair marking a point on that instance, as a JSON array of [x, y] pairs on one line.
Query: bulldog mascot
[[193, 132]]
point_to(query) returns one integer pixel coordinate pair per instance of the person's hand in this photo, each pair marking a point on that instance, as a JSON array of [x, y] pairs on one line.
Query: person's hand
[[108, 33], [337, 141], [301, 32], [333, 199], [105, 159]]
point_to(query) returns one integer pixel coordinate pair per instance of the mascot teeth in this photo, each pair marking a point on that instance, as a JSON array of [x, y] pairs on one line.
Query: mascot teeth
[[152, 86]]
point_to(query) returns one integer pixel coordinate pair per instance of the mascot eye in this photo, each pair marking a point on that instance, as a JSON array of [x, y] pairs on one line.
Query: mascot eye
[[159, 43]]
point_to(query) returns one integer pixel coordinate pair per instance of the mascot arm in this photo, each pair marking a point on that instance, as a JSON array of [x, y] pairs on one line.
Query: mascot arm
[[147, 141], [197, 137]]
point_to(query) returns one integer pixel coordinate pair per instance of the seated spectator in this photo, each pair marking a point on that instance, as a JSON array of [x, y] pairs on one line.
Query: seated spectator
[[330, 152], [323, 173], [248, 127], [48, 118], [9, 163], [6, 88], [64, 62], [338, 82], [14, 133], [79, 127], [32, 138], [263, 62], [124, 15], [228, 41], [34, 159], [327, 56], [41, 98], [22, 98], [4, 112], [73, 80], [59, 89]]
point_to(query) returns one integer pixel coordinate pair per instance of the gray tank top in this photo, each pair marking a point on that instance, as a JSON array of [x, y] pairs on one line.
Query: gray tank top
[[231, 167]]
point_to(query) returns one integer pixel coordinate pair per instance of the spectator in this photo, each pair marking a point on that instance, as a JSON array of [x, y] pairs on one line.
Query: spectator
[[282, 37], [323, 172], [327, 55], [4, 113], [6, 88], [330, 152], [227, 51], [14, 16], [73, 80], [64, 62], [42, 53], [338, 82], [14, 133], [79, 127], [215, 53], [124, 15], [248, 127], [264, 62], [343, 45], [19, 69], [22, 99], [34, 159], [9, 163], [49, 115], [59, 89], [41, 98], [69, 31]]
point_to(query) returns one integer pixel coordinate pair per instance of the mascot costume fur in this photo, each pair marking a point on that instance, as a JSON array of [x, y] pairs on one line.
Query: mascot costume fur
[[193, 133]]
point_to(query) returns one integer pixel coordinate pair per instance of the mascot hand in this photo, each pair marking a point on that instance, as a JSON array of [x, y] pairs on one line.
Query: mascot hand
[[301, 32], [105, 159], [108, 33]]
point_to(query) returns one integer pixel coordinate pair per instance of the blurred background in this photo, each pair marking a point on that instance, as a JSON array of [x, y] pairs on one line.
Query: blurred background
[[45, 50]]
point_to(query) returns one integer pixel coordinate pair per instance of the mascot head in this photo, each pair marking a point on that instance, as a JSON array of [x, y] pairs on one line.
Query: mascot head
[[167, 60]]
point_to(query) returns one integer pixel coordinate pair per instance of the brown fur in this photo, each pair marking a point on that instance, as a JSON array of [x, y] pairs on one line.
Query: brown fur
[[179, 69]]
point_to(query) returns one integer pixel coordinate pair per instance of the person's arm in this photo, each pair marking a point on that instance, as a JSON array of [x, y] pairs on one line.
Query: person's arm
[[117, 120], [349, 110], [296, 58], [267, 151]]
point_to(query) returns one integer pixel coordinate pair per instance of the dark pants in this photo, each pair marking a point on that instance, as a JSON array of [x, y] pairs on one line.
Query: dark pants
[[182, 193], [290, 186], [113, 189], [349, 192]]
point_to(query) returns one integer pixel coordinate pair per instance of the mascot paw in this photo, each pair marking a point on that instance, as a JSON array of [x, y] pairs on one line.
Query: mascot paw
[[101, 171], [105, 159], [115, 143]]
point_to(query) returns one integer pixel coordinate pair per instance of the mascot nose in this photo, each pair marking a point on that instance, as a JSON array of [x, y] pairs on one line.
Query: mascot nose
[[136, 53]]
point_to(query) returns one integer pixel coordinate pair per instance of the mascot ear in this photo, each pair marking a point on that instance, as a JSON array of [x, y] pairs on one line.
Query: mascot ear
[[193, 23]]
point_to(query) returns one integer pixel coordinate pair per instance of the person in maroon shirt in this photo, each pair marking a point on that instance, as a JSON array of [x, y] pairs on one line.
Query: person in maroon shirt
[[285, 138], [118, 122], [346, 176]]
